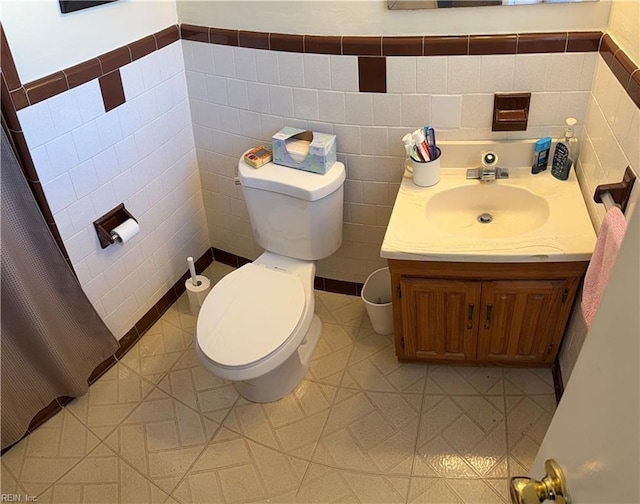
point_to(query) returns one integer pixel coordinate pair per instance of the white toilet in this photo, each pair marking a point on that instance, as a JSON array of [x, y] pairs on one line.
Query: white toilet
[[257, 326]]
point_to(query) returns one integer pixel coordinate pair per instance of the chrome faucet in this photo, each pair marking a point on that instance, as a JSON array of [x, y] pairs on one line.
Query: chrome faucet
[[489, 170]]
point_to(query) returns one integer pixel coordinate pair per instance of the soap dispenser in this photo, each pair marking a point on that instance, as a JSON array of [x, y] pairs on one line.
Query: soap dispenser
[[566, 153]]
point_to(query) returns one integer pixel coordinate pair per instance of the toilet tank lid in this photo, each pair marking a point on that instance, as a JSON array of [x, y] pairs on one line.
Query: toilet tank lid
[[292, 182]]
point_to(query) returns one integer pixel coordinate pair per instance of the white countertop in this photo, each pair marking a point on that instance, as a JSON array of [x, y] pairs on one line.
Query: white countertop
[[566, 235]]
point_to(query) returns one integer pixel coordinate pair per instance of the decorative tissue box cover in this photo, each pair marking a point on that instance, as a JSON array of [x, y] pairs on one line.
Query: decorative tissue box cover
[[322, 149]]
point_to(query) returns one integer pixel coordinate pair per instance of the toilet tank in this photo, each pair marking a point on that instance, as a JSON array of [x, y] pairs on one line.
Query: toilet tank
[[295, 213]]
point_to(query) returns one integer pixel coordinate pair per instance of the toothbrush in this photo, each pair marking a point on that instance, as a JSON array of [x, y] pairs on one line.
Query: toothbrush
[[421, 144], [430, 134]]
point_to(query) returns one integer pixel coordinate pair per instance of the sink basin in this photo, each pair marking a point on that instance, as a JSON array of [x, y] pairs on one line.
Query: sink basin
[[487, 210]]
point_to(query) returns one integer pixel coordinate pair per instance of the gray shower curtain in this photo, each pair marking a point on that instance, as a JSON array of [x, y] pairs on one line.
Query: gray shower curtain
[[52, 338]]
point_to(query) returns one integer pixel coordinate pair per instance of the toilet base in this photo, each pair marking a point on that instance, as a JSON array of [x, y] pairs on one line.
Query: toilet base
[[282, 380]]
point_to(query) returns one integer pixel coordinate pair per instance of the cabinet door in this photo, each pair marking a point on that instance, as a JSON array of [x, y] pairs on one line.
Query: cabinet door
[[439, 318], [522, 321]]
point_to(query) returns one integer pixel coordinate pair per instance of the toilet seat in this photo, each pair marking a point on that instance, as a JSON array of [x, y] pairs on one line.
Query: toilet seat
[[264, 305]]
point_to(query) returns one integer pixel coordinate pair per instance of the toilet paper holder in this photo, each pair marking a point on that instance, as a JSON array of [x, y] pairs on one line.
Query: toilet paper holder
[[105, 224]]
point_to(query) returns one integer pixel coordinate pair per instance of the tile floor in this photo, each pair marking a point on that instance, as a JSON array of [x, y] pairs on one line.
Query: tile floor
[[361, 427]]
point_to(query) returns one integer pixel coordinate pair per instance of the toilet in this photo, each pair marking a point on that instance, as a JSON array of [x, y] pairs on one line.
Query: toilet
[[257, 326]]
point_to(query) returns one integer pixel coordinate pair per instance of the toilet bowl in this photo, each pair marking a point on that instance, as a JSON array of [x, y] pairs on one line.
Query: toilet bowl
[[257, 326]]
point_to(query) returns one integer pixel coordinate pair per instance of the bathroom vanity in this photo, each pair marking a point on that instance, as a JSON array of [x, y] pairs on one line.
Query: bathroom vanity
[[486, 273]]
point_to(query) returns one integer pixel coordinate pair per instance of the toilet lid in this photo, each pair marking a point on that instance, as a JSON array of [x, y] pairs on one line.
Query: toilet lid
[[249, 314]]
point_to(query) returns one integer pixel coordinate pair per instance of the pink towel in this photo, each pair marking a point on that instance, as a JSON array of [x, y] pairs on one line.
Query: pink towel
[[611, 233]]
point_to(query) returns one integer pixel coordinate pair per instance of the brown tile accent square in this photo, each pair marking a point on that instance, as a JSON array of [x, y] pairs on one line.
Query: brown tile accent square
[[255, 40], [493, 44], [9, 69], [372, 74], [46, 87], [608, 48], [622, 68], [19, 98], [286, 42], [446, 46], [583, 41], [323, 44], [167, 36], [223, 37], [402, 46], [362, 46], [203, 262], [127, 342], [359, 287], [44, 414], [115, 59], [243, 260], [112, 91], [633, 89], [147, 320], [83, 73], [194, 33], [318, 283], [101, 369], [140, 48], [529, 43]]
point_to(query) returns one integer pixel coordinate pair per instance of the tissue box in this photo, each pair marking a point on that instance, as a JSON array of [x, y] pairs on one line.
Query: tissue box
[[322, 149]]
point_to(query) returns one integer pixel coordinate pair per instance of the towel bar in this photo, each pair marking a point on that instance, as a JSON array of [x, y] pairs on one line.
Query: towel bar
[[616, 194]]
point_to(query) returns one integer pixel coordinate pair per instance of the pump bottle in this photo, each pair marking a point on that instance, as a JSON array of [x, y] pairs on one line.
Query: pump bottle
[[566, 153]]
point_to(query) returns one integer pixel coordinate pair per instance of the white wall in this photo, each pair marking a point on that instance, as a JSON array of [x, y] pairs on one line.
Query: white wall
[[624, 27], [44, 41], [140, 153], [371, 17]]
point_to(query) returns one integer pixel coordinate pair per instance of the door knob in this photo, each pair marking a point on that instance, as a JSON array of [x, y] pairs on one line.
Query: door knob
[[552, 487]]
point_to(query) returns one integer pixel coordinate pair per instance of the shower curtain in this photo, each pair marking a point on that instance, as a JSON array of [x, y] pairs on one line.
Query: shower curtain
[[51, 336]]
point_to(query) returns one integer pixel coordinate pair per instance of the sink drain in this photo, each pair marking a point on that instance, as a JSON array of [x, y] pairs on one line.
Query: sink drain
[[485, 218]]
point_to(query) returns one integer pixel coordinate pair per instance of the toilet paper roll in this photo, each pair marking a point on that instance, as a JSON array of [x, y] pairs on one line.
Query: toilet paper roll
[[125, 231], [197, 293]]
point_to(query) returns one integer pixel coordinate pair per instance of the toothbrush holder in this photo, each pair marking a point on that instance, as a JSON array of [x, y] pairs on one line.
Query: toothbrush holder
[[425, 173]]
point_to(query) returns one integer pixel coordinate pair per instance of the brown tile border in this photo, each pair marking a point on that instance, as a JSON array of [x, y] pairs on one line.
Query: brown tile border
[[84, 72], [167, 36], [46, 87], [141, 48], [633, 90], [115, 59], [19, 98], [223, 36], [608, 48], [362, 46], [253, 40], [583, 41], [625, 70], [318, 44], [285, 42], [402, 46], [493, 44], [9, 70], [529, 43], [446, 46], [194, 33]]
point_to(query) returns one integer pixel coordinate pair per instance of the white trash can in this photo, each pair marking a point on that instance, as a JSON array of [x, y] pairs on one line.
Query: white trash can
[[376, 295]]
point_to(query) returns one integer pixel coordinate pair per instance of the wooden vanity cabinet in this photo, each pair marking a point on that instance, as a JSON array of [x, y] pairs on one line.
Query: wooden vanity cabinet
[[511, 314]]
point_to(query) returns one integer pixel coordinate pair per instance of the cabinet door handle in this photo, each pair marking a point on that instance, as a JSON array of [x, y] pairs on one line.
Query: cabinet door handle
[[470, 317], [487, 322]]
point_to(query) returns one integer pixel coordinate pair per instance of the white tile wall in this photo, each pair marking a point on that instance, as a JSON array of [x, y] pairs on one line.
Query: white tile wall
[[609, 143], [141, 153], [320, 92]]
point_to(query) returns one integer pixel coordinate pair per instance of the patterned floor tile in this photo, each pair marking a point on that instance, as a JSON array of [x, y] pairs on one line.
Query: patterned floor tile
[[463, 491], [528, 381], [324, 484], [192, 384], [373, 366], [162, 438], [179, 315], [103, 477], [465, 380], [47, 454], [9, 484], [462, 437], [341, 309], [528, 418], [110, 400], [235, 469], [291, 425], [370, 431], [158, 350], [331, 355]]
